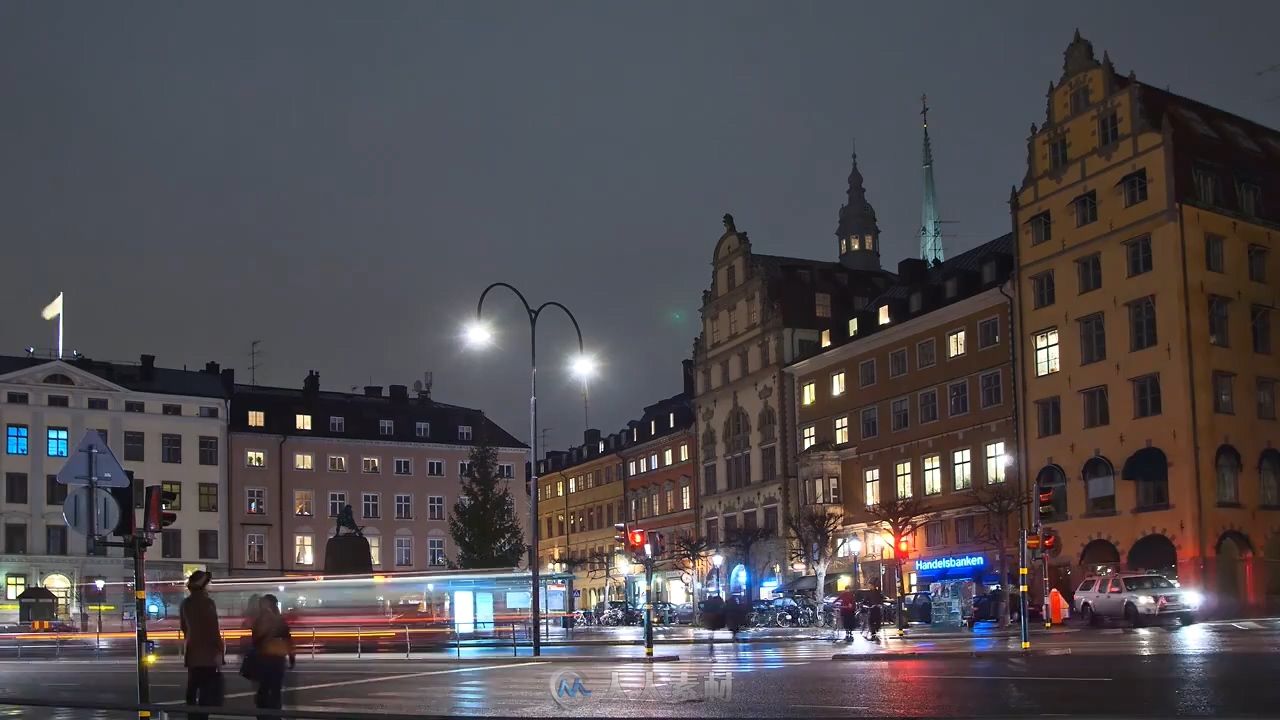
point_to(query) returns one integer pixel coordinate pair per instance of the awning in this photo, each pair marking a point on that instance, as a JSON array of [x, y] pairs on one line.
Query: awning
[[1148, 463]]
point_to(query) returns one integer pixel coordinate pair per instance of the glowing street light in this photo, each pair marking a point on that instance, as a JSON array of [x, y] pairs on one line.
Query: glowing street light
[[583, 366], [477, 334]]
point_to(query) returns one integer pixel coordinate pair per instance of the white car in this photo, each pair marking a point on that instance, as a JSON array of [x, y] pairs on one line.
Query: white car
[[1139, 598]]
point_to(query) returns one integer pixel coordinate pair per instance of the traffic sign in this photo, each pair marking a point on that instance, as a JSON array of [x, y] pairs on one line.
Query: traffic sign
[[79, 503], [106, 469]]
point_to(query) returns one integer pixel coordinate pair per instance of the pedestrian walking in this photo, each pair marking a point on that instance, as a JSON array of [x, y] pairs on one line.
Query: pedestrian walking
[[203, 652], [848, 602], [272, 644]]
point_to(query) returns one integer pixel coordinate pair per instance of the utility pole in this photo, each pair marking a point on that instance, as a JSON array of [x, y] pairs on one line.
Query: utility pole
[[648, 606], [1022, 589]]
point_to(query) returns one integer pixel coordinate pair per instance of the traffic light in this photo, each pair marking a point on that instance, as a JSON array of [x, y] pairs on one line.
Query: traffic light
[[657, 543], [620, 535], [1045, 496], [1033, 542], [903, 547], [124, 499], [156, 505], [1049, 541]]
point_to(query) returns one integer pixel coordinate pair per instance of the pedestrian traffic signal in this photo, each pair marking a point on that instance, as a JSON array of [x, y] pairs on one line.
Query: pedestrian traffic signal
[[657, 543], [1048, 541], [1045, 496], [157, 503], [903, 547]]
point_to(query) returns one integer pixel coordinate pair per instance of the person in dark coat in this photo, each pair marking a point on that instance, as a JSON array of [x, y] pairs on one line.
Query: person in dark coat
[[735, 614], [272, 643], [203, 654]]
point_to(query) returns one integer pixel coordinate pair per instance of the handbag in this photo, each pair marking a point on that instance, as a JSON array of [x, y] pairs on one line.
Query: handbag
[[249, 665]]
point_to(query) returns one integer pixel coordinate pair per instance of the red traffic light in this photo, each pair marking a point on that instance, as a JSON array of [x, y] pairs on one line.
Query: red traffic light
[[1049, 542], [1033, 542], [156, 504], [903, 547], [636, 539]]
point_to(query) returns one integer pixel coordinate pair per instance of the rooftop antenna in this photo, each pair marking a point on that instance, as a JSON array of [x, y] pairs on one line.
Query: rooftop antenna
[[254, 354], [544, 432], [428, 378]]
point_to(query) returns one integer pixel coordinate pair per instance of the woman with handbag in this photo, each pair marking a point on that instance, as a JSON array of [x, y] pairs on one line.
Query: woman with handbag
[[272, 643]]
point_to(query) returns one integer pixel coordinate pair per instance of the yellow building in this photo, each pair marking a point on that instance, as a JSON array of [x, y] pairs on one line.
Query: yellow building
[[580, 499], [1146, 288]]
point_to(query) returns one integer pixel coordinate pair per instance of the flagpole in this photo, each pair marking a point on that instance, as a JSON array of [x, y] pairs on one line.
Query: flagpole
[[62, 313]]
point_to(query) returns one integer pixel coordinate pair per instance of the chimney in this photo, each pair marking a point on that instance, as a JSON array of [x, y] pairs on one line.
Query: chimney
[[148, 367], [373, 391], [211, 367], [311, 385], [399, 393], [686, 369], [229, 381], [591, 438]]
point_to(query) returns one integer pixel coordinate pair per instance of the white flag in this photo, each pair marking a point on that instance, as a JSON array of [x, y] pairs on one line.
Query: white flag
[[53, 309]]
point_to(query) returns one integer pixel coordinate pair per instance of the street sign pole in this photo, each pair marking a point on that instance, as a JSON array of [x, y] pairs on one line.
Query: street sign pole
[[648, 609], [1044, 571], [1022, 590], [140, 613]]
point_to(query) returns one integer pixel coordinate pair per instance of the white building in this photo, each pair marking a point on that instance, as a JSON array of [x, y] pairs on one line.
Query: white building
[[166, 426]]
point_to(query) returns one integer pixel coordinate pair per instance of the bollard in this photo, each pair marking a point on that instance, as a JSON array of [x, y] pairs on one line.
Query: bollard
[[408, 644], [457, 641], [57, 646], [515, 652], [359, 641], [313, 643]]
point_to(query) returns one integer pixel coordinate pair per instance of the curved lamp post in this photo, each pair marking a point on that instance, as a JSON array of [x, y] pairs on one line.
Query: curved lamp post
[[478, 335]]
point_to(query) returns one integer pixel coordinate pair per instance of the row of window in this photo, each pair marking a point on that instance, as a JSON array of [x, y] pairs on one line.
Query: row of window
[[991, 390], [655, 501], [15, 542], [738, 469], [57, 444], [371, 465], [17, 486], [926, 357], [304, 501], [96, 403], [749, 518], [304, 550], [643, 465], [597, 517], [996, 460], [338, 424]]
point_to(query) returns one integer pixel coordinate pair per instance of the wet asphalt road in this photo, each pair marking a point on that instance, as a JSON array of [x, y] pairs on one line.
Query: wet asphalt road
[[1211, 671]]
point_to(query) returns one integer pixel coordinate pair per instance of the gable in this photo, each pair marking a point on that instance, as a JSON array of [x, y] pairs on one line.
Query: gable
[[58, 374]]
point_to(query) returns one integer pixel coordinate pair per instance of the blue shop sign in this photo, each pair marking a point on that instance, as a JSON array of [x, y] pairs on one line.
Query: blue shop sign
[[951, 562]]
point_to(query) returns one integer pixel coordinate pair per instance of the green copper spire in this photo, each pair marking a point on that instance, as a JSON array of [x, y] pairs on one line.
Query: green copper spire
[[930, 225]]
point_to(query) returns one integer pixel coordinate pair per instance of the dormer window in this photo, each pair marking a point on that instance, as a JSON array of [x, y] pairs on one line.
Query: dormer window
[[731, 275], [884, 315], [855, 242], [989, 271], [869, 243], [825, 340], [853, 327], [1079, 99], [916, 301]]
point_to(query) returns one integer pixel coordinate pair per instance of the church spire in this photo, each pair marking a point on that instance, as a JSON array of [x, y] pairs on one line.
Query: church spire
[[857, 231], [930, 225]]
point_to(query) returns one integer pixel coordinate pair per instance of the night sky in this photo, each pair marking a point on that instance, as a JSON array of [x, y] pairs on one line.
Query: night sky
[[340, 180]]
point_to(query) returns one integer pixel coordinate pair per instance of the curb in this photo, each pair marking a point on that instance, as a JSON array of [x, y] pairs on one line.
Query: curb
[[931, 655]]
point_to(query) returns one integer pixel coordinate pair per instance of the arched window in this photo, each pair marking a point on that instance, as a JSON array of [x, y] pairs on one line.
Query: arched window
[[768, 424], [1227, 467], [1269, 477], [709, 441], [737, 431], [1099, 486], [1051, 476], [1149, 468], [57, 379]]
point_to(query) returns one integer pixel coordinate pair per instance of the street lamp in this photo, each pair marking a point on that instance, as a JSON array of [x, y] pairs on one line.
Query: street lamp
[[479, 335], [718, 560], [855, 546]]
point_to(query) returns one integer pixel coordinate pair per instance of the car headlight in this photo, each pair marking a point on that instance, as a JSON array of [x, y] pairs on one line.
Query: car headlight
[[1145, 599], [1193, 598]]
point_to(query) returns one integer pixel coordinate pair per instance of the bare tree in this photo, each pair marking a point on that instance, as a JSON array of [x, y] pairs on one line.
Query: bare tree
[[1001, 501], [601, 565], [815, 533], [688, 553], [902, 517], [743, 541]]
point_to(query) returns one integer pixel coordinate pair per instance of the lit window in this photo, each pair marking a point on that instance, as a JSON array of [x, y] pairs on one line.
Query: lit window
[[902, 474], [932, 475], [303, 549], [871, 486], [962, 469], [257, 418], [16, 437], [57, 441], [304, 503], [684, 452], [853, 327], [371, 465], [837, 384], [653, 461], [842, 430], [686, 497], [809, 437], [255, 458], [302, 422], [644, 465], [955, 343], [808, 393], [667, 456], [884, 314], [996, 462], [255, 501], [337, 463], [303, 461], [1046, 346], [375, 549], [825, 338]]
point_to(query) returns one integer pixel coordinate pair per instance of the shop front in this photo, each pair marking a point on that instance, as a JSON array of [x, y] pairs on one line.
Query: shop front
[[952, 581]]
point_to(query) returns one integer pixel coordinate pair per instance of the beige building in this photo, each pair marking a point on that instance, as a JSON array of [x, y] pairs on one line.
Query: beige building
[[1146, 235], [167, 426], [299, 456]]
